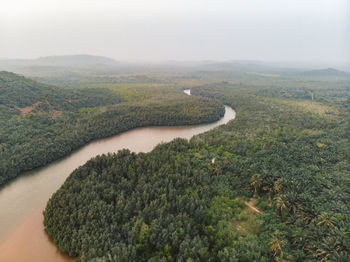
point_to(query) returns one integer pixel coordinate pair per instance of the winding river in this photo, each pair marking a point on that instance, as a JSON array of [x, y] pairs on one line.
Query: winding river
[[22, 234]]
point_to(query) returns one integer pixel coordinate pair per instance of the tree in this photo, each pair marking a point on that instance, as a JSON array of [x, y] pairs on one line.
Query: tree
[[255, 182]]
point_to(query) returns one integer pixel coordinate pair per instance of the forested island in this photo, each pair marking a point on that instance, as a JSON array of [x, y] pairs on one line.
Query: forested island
[[272, 185]]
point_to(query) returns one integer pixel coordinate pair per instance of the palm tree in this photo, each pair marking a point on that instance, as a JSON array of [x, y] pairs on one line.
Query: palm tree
[[276, 245], [278, 185], [292, 201], [255, 182], [281, 204], [324, 219]]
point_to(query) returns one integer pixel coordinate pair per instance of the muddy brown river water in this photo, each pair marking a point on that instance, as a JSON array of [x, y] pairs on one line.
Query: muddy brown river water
[[22, 234]]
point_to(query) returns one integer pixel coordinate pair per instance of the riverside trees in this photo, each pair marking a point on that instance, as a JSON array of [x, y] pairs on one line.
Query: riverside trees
[[41, 123], [175, 204]]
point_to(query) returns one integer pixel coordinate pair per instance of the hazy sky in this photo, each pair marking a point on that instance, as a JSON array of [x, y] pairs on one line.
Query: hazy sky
[[271, 30]]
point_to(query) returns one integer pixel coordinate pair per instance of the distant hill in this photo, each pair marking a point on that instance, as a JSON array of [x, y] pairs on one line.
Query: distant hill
[[88, 61], [327, 72], [75, 60], [246, 66]]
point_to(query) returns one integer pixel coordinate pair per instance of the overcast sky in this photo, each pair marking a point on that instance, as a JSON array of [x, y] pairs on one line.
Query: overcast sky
[[269, 30]]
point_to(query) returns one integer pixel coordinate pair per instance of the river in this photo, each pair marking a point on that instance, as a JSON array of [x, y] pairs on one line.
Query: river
[[22, 234]]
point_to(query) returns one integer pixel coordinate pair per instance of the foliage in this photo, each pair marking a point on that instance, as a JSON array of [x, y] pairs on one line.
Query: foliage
[[175, 204], [41, 123], [277, 190]]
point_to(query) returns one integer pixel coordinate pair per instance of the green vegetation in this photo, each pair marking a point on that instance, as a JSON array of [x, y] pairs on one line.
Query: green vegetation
[[272, 185], [41, 123]]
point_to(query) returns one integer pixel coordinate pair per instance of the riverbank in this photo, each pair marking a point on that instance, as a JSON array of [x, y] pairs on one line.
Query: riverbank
[[23, 197]]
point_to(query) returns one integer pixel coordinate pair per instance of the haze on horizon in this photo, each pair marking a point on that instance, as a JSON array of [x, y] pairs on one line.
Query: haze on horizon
[[158, 30]]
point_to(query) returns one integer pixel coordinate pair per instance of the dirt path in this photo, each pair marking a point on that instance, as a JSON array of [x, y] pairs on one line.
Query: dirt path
[[250, 204], [25, 110]]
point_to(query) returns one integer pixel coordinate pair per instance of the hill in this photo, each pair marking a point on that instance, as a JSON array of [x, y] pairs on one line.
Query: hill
[[327, 72], [75, 60], [54, 63], [17, 92]]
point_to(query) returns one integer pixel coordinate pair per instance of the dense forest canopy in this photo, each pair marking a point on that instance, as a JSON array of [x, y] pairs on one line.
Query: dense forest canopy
[[272, 185], [41, 123]]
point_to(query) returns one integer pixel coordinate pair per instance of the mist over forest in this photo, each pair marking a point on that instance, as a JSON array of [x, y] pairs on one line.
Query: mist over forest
[[174, 130]]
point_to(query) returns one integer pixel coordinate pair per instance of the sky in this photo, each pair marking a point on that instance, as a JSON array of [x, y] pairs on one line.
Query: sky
[[161, 30]]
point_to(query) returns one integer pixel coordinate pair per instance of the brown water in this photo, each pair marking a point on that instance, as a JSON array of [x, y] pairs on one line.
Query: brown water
[[22, 235]]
